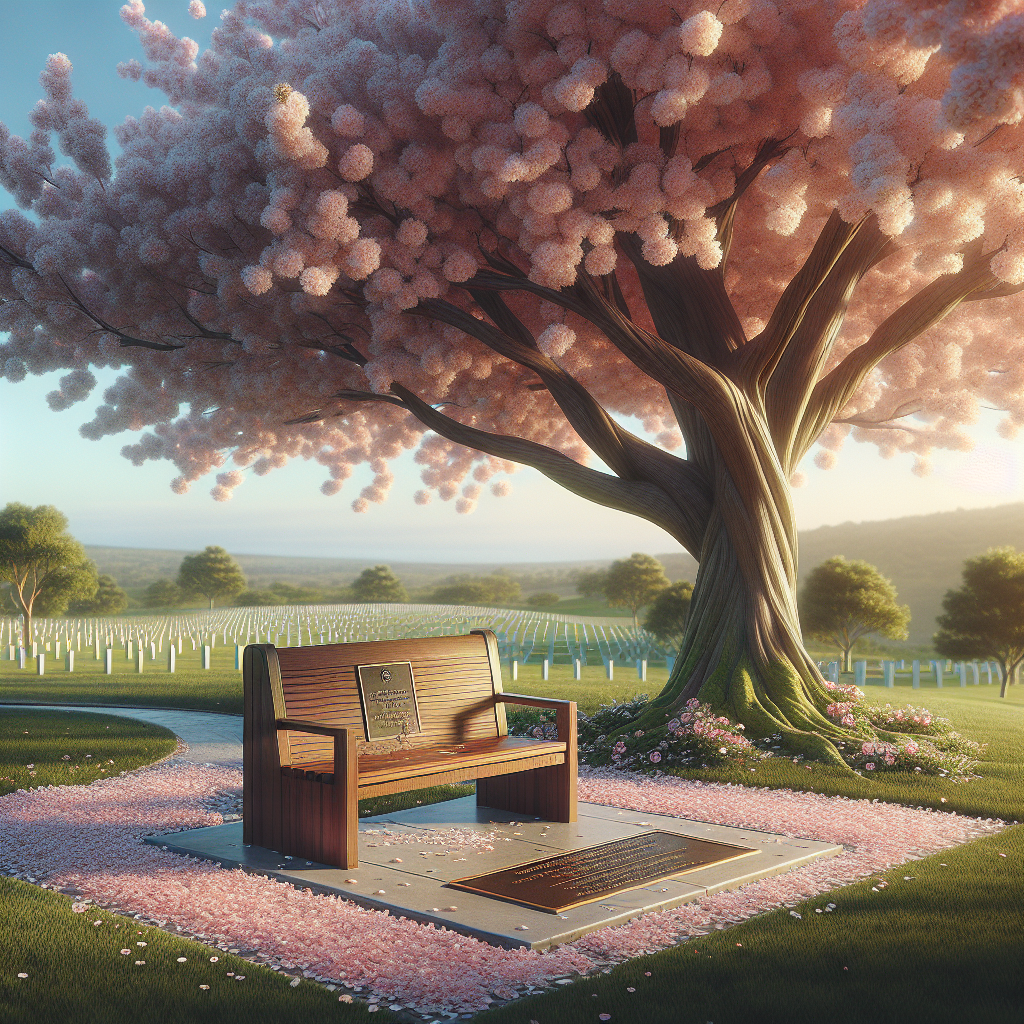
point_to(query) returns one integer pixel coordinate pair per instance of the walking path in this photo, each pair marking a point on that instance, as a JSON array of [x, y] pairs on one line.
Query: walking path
[[212, 739]]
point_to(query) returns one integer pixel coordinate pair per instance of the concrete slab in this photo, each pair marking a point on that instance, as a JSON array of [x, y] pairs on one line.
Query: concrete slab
[[405, 863]]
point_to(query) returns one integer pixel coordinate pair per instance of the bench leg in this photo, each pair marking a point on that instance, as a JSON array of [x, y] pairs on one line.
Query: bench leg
[[548, 793], [341, 821]]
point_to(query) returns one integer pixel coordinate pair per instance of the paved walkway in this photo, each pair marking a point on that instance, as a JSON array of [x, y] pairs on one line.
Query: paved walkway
[[212, 739]]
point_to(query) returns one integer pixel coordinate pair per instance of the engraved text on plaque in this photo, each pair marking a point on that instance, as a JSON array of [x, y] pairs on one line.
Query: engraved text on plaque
[[586, 876], [388, 697]]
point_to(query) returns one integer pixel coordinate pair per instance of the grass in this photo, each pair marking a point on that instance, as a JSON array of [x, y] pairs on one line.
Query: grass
[[190, 687], [945, 946], [74, 749], [75, 969], [77, 975]]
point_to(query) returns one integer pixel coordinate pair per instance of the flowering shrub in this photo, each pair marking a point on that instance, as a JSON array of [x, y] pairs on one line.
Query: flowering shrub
[[910, 755], [945, 752], [696, 738], [919, 721]]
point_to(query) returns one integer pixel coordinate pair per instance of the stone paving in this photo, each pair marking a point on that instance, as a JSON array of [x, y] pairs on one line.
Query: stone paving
[[405, 859]]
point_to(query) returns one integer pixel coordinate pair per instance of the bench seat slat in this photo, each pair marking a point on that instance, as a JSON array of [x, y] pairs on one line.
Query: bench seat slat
[[402, 764]]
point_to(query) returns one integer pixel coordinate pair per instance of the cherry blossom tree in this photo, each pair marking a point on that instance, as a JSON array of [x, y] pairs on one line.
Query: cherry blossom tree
[[495, 231]]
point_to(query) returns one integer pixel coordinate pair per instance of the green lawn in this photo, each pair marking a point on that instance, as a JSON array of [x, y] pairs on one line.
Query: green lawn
[[39, 748], [77, 975], [190, 687], [945, 946]]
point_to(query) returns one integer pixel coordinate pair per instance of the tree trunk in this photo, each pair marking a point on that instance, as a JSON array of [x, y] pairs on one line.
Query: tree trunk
[[847, 659], [1008, 672], [743, 651]]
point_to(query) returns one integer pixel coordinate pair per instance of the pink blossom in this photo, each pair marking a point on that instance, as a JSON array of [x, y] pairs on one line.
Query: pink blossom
[[442, 133], [89, 839]]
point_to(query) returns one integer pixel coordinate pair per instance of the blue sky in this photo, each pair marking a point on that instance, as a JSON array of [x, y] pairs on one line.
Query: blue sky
[[43, 460]]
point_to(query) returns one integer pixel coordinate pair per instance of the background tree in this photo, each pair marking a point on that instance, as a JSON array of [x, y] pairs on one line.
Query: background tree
[[379, 584], [258, 599], [288, 593], [591, 582], [544, 599], [843, 601], [109, 599], [212, 572], [634, 582], [985, 617], [482, 590], [43, 564], [738, 227], [163, 594], [667, 615]]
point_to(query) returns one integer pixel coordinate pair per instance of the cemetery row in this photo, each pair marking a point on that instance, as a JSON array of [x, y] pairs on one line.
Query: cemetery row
[[961, 672], [524, 637]]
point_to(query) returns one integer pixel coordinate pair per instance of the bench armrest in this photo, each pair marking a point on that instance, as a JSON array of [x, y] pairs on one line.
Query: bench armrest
[[302, 725], [565, 714], [346, 749]]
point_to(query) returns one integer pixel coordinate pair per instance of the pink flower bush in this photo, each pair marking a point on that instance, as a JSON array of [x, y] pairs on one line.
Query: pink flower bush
[[694, 738], [944, 752]]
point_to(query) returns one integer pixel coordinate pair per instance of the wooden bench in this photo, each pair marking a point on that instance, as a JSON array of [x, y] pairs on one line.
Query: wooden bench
[[307, 760]]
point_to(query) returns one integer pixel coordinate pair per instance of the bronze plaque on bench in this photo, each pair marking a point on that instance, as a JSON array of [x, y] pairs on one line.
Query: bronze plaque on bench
[[388, 696], [586, 876]]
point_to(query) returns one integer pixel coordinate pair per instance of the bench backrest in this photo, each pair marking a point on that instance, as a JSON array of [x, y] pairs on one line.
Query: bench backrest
[[454, 676]]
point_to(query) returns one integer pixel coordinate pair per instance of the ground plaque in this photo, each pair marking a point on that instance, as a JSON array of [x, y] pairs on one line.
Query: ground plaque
[[388, 696], [586, 876]]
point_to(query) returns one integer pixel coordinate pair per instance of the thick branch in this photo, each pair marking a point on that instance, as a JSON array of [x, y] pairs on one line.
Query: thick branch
[[788, 357], [690, 307], [757, 359], [627, 455], [511, 339], [638, 498], [925, 309]]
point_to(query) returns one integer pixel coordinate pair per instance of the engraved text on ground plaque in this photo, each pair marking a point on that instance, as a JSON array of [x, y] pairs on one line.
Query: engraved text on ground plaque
[[388, 697], [586, 876]]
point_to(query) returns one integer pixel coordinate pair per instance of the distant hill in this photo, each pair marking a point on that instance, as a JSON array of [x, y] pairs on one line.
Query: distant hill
[[922, 555]]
